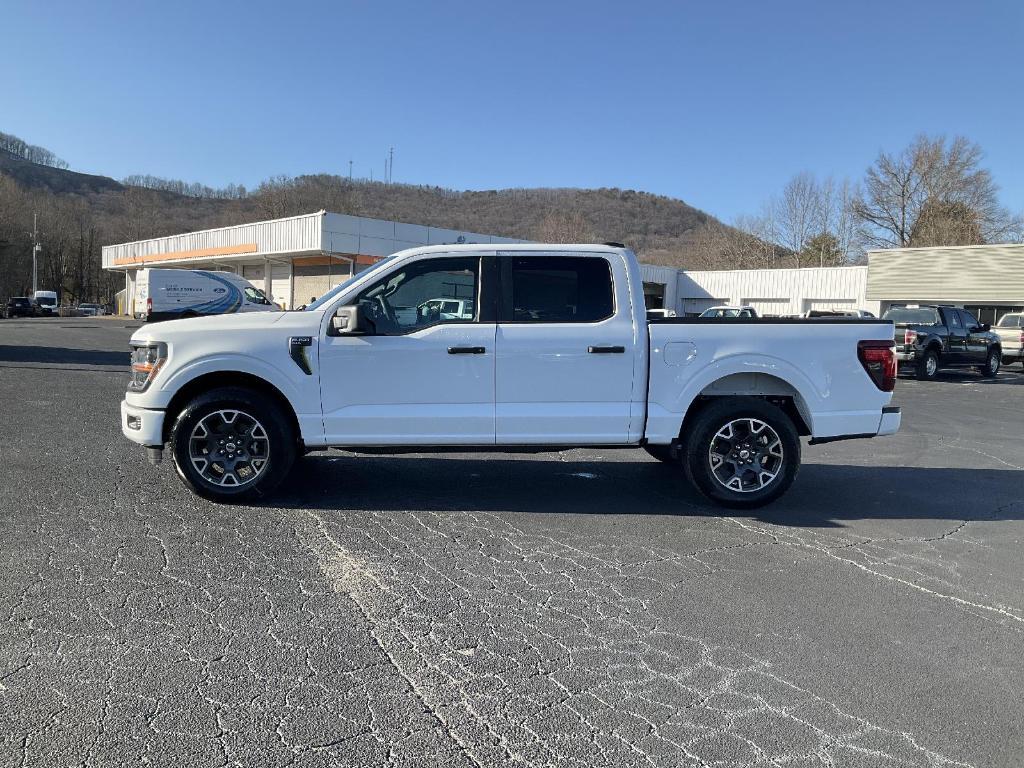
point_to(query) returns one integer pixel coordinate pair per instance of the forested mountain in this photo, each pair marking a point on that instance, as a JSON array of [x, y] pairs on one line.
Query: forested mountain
[[78, 213]]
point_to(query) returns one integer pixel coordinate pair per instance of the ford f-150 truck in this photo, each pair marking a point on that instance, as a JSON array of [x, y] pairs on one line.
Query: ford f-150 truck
[[1010, 330], [934, 337], [553, 350]]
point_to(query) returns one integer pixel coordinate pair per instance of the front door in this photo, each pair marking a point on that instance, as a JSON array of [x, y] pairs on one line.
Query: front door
[[565, 365], [425, 375], [977, 339]]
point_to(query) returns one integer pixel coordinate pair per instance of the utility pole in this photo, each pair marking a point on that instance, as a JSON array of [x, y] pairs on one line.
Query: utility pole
[[350, 170], [35, 252], [391, 164]]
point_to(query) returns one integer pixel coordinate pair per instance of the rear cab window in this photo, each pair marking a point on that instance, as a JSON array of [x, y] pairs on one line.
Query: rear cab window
[[912, 315], [559, 289]]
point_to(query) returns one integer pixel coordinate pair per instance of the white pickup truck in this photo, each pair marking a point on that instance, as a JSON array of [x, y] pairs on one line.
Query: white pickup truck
[[557, 351]]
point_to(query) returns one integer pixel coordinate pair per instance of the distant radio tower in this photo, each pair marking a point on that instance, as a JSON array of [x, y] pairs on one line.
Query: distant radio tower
[[350, 170], [391, 164]]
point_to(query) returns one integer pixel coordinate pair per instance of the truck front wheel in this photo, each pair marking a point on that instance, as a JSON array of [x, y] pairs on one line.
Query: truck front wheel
[[741, 452], [992, 363], [232, 444]]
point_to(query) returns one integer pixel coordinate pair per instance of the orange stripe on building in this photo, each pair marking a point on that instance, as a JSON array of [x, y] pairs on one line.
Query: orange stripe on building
[[199, 253], [318, 261]]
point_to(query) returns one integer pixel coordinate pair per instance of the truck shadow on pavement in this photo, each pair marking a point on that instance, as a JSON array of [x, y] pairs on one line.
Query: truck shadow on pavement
[[50, 355], [822, 496]]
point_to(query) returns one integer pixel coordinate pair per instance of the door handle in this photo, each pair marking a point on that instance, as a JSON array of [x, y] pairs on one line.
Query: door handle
[[606, 350], [466, 350]]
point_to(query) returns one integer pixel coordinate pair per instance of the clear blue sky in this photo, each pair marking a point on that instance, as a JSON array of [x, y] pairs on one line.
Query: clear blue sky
[[717, 103]]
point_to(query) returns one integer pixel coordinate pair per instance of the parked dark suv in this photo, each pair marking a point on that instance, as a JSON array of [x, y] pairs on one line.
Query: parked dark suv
[[933, 337], [19, 306]]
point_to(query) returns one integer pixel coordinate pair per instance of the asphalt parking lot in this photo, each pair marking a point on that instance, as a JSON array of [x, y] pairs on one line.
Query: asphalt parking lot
[[578, 608]]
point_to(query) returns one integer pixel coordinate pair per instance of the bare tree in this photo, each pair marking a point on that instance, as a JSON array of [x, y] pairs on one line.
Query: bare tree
[[933, 192], [563, 227], [801, 213]]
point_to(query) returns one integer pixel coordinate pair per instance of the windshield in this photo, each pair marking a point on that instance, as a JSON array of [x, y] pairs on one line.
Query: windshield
[[721, 313], [329, 296], [46, 300], [1010, 321], [921, 316]]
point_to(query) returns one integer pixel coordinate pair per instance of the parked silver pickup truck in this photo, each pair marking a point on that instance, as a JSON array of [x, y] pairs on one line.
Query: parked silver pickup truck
[[1010, 330]]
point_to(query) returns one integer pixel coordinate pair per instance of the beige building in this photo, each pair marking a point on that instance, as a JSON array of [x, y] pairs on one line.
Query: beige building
[[988, 280], [291, 259]]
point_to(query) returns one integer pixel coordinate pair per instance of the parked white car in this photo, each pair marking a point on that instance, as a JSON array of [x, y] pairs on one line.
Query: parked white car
[[744, 311], [556, 351], [654, 314], [168, 294]]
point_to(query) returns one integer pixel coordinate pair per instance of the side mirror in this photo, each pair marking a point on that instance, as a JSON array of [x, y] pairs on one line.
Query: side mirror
[[986, 326], [348, 321]]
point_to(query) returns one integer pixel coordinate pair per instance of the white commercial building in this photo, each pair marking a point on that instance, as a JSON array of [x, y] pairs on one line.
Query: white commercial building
[[769, 291], [292, 259], [987, 280]]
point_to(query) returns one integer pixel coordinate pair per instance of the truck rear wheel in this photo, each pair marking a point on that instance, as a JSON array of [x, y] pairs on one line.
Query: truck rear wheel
[[232, 444], [741, 452], [928, 366]]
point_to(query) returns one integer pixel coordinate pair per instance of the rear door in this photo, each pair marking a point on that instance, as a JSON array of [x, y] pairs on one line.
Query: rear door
[[566, 347], [957, 354]]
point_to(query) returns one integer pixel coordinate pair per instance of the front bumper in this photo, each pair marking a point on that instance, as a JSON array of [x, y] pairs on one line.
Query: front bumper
[[141, 425]]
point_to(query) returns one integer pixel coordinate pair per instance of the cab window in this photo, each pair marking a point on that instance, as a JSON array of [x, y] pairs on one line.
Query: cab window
[[422, 294], [561, 289]]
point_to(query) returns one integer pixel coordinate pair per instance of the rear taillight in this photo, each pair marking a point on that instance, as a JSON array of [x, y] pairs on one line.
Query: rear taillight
[[149, 306], [1022, 337], [879, 360], [909, 337]]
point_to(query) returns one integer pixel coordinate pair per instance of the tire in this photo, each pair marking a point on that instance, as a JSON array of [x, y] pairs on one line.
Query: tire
[[259, 432], [662, 453], [992, 363], [769, 435], [928, 366]]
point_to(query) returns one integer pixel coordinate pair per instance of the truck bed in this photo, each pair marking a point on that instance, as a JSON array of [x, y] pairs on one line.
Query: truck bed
[[812, 361]]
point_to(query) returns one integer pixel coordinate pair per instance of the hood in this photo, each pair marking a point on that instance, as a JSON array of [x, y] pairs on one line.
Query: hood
[[241, 321]]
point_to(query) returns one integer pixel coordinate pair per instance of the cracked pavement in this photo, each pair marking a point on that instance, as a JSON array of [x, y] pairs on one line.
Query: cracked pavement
[[581, 608]]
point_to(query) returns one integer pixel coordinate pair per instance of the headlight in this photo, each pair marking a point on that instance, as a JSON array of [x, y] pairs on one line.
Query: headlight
[[147, 359]]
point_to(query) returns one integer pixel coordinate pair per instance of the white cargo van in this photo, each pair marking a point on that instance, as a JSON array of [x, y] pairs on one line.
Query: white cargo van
[[46, 302], [167, 294]]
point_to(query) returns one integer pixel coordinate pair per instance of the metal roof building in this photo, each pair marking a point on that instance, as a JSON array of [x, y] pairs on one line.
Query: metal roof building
[[291, 259], [986, 279]]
